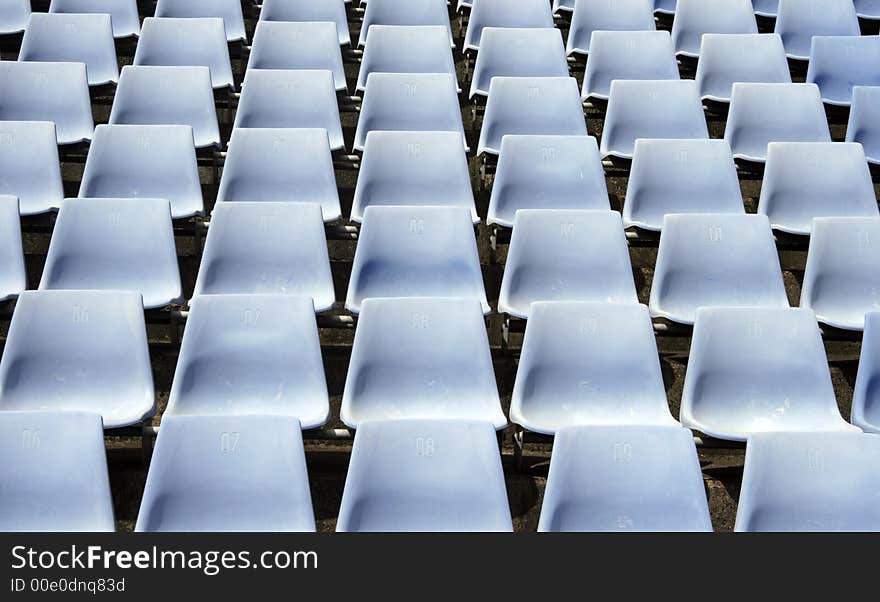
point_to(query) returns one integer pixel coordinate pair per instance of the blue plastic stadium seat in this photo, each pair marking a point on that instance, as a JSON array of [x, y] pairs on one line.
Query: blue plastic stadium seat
[[144, 161], [693, 18], [14, 16], [624, 478], [798, 21], [79, 351], [227, 473], [764, 113], [421, 358], [228, 10], [304, 11], [766, 8], [29, 165], [546, 172], [566, 255], [293, 165], [168, 96], [13, 279], [627, 55], [173, 42], [665, 7], [531, 106], [409, 102], [283, 98], [721, 260], [518, 52], [757, 369], [838, 63], [810, 482], [866, 397], [415, 169], [868, 9], [425, 475], [123, 13], [842, 279], [602, 15], [54, 475], [416, 252], [588, 363], [84, 38], [57, 92], [864, 121], [803, 180], [406, 49], [680, 176], [665, 109], [729, 58], [115, 244], [404, 12], [251, 354], [267, 248], [289, 45], [505, 13]]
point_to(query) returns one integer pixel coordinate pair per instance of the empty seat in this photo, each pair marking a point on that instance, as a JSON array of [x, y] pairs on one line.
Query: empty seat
[[228, 10], [588, 363], [546, 172], [168, 96], [756, 369], [627, 55], [283, 98], [406, 49], [416, 252], [722, 260], [602, 15], [54, 477], [123, 13], [693, 18], [57, 92], [766, 8], [79, 351], [144, 161], [797, 21], [566, 255], [624, 478], [531, 105], [251, 354], [413, 168], [838, 63], [680, 176], [304, 11], [842, 278], [409, 102], [517, 52], [864, 121], [505, 13], [293, 165], [85, 38], [29, 165], [425, 475], [867, 9], [13, 278], [765, 113], [729, 58], [171, 42], [288, 45], [404, 12], [264, 248], [810, 482], [666, 109], [14, 16], [115, 244], [866, 397], [227, 473], [803, 180]]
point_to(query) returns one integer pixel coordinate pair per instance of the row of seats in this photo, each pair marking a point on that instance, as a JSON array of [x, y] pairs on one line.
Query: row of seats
[[248, 473], [865, 9]]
